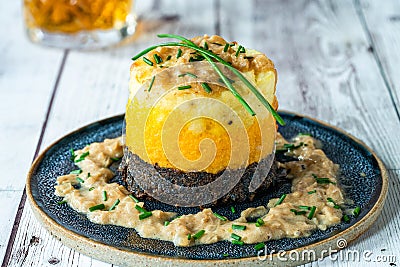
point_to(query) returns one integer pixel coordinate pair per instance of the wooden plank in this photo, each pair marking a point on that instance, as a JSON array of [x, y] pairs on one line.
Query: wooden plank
[[324, 67], [384, 34], [27, 76], [94, 85]]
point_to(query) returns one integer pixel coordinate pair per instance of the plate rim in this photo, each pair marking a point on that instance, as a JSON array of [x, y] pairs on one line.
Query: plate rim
[[114, 255]]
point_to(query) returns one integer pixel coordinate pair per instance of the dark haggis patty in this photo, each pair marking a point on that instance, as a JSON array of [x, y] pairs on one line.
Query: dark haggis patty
[[132, 166]]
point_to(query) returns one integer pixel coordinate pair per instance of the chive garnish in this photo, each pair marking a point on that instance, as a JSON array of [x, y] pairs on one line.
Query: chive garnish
[[304, 134], [322, 180], [189, 236], [208, 55], [148, 61], [226, 47], [199, 234], [76, 172], [259, 246], [298, 212], [61, 202], [305, 207], [280, 200], [312, 211], [140, 209], [145, 215], [356, 211], [225, 255], [238, 227], [151, 83], [97, 207], [184, 87], [217, 44], [222, 218], [166, 223], [238, 50], [329, 199], [205, 46], [157, 58], [134, 198], [114, 205], [188, 74], [79, 179], [88, 175], [73, 155], [236, 237], [236, 242], [168, 58], [312, 192], [233, 209], [91, 189], [206, 87], [346, 218], [115, 159], [247, 57], [104, 195], [259, 222], [179, 53], [82, 156]]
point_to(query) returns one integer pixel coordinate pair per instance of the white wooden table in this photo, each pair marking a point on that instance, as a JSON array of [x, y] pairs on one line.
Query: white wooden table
[[337, 61]]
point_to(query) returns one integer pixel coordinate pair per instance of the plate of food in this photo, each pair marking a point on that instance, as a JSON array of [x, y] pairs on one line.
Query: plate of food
[[202, 169]]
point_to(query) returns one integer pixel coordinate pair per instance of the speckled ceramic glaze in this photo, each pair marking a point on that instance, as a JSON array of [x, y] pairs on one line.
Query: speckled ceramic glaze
[[123, 246]]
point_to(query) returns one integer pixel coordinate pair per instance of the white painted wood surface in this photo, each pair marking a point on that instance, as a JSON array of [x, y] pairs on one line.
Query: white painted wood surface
[[337, 61]]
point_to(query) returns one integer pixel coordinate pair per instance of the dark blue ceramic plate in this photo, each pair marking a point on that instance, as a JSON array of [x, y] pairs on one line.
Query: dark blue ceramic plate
[[104, 241]]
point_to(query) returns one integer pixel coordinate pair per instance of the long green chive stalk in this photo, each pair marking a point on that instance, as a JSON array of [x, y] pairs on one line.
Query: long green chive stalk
[[208, 55]]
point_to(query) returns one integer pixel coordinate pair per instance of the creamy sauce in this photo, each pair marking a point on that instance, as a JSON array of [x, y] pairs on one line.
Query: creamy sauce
[[279, 220]]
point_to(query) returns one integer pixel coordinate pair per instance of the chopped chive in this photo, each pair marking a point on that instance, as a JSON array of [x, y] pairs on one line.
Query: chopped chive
[[222, 218], [329, 199], [298, 212], [97, 207], [312, 211], [73, 155], [88, 175], [104, 195], [140, 209], [312, 192], [305, 207], [280, 200], [76, 172], [238, 227], [259, 246], [225, 255], [151, 83], [233, 209], [114, 205], [157, 58], [147, 61], [91, 189], [356, 211], [168, 58], [238, 50], [236, 237], [145, 215], [247, 57], [134, 198], [217, 44], [205, 46], [61, 202], [243, 50], [236, 242], [115, 159], [80, 180], [179, 53], [184, 87], [346, 218], [199, 234], [82, 156], [259, 222], [322, 180], [206, 87], [188, 74], [226, 47], [304, 134], [166, 223], [189, 236]]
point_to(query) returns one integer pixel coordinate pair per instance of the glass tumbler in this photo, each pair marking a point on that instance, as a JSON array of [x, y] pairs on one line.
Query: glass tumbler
[[79, 24]]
